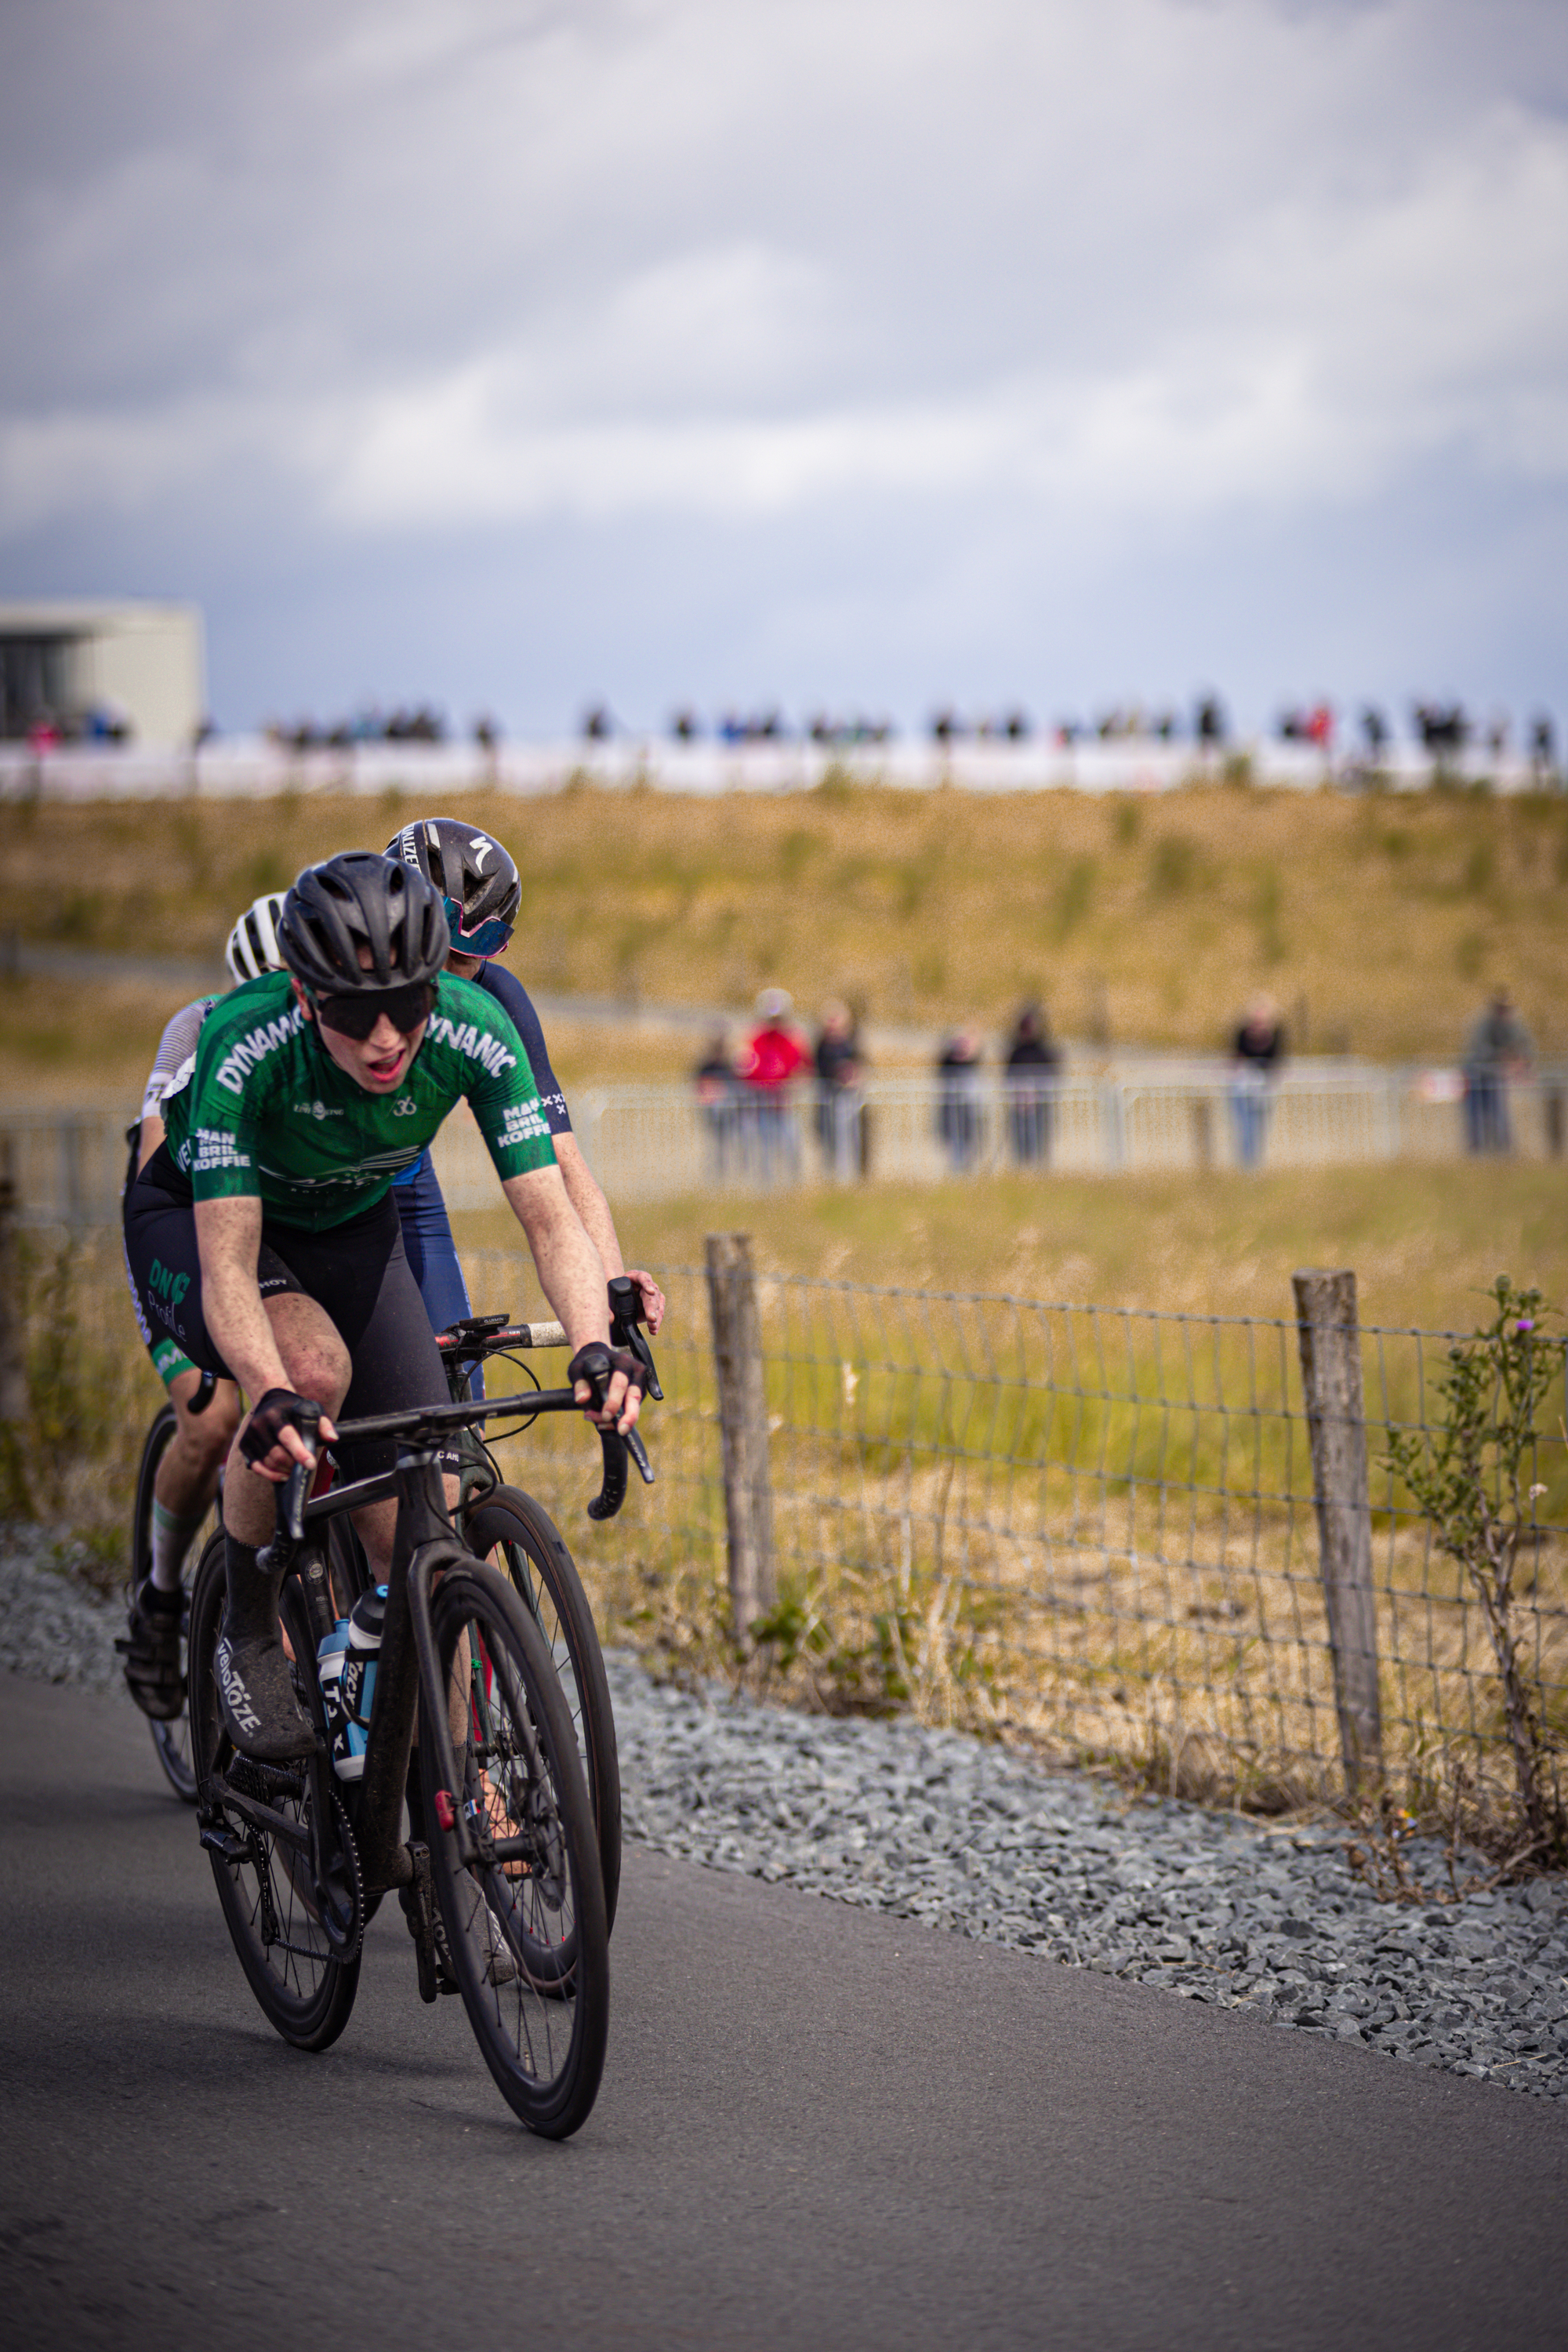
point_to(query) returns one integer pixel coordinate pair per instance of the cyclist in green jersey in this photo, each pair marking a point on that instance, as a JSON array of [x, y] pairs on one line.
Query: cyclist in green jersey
[[261, 1235]]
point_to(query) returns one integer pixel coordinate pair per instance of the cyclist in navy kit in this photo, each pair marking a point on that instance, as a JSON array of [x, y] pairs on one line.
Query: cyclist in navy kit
[[478, 881]]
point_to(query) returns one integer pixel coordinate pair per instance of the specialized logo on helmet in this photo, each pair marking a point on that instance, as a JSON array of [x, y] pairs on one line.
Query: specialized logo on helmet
[[482, 848]]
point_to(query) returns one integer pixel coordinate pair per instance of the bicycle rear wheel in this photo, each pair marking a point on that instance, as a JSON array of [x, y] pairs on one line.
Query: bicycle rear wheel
[[264, 1888], [511, 1531], [527, 1929], [171, 1740]]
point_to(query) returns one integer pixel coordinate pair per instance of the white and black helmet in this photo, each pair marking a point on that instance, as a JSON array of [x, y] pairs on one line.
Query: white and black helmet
[[355, 899], [474, 874], [253, 946]]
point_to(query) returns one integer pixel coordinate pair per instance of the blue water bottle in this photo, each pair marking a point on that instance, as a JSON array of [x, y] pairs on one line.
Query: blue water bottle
[[346, 1662]]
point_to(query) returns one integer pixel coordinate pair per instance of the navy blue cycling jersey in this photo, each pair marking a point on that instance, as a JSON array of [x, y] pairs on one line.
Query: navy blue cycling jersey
[[516, 1003]]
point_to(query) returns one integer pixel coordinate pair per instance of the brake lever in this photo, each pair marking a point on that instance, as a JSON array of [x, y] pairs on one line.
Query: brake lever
[[288, 1528], [638, 1453], [625, 1320]]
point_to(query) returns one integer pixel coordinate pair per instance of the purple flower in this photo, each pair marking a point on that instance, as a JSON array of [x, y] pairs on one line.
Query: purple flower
[[1524, 1324]]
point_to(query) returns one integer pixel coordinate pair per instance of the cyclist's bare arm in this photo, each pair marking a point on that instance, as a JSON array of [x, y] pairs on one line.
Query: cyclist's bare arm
[[153, 1134], [582, 1191], [228, 1236], [571, 1274]]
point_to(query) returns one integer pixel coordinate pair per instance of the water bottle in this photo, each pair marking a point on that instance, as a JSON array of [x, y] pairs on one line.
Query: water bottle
[[330, 1673], [346, 1664]]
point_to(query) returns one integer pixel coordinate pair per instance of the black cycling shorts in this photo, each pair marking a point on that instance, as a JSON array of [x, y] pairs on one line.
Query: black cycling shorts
[[356, 1272]]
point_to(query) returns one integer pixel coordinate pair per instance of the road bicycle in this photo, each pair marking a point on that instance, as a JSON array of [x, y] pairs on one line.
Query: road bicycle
[[502, 1892], [500, 1523]]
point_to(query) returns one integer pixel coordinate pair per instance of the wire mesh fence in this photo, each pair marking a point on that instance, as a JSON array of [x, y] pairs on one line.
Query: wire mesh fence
[[1094, 1528]]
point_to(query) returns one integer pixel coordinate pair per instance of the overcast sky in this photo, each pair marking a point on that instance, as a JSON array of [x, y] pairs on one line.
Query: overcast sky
[[852, 354]]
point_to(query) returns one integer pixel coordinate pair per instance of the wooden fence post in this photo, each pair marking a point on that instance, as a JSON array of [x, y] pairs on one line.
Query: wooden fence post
[[13, 1361], [744, 1425], [1329, 1334]]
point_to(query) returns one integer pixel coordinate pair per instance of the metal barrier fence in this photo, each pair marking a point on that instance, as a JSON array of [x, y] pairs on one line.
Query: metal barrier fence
[[68, 1167], [1095, 1527], [656, 1141]]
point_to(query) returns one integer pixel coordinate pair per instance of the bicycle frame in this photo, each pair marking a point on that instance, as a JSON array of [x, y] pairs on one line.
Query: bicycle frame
[[409, 1685]]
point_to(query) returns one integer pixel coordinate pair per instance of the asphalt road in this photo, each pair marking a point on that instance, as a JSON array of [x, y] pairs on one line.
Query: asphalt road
[[817, 2128]]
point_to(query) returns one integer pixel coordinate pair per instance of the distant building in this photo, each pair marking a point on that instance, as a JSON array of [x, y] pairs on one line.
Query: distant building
[[85, 672]]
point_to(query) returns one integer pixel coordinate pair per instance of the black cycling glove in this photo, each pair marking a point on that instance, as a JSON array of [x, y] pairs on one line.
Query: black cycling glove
[[597, 1365], [279, 1410]]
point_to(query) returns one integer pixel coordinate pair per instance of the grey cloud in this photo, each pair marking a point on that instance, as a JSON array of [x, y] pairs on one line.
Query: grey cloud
[[400, 274]]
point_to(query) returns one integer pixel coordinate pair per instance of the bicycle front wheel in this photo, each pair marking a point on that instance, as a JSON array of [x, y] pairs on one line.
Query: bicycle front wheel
[[171, 1740], [263, 1882], [513, 1533], [526, 1929]]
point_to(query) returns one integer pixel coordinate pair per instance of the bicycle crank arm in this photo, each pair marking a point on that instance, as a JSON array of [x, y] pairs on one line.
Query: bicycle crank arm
[[265, 1818]]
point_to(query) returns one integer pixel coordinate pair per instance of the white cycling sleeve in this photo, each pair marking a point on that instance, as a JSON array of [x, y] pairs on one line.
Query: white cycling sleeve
[[175, 1056]]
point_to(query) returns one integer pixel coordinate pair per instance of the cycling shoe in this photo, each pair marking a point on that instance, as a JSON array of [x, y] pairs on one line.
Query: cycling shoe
[[151, 1649], [256, 1693]]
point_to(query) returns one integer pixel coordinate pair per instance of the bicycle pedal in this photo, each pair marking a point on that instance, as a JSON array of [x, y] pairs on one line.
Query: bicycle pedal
[[217, 1838], [419, 1901]]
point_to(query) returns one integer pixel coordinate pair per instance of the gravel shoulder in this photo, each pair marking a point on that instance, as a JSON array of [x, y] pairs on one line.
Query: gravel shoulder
[[941, 1828]]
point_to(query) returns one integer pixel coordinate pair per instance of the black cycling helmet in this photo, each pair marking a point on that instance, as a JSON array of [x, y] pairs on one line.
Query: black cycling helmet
[[358, 897], [474, 874]]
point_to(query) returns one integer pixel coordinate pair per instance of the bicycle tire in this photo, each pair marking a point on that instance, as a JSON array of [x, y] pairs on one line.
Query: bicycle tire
[[305, 1993], [542, 2032], [171, 1740], [512, 1531]]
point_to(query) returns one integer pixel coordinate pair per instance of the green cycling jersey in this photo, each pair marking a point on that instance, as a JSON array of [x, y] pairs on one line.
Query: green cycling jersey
[[268, 1112]]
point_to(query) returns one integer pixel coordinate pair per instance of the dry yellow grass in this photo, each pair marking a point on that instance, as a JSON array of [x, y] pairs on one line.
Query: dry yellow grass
[[1381, 920], [1426, 1241]]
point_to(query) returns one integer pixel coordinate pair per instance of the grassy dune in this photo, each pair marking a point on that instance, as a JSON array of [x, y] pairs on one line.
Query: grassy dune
[[1377, 922]]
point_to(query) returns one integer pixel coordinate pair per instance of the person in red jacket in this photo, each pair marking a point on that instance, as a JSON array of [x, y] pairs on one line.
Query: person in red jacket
[[772, 1057]]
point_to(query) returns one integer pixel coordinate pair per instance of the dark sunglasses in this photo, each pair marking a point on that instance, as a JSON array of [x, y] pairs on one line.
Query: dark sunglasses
[[356, 1016]]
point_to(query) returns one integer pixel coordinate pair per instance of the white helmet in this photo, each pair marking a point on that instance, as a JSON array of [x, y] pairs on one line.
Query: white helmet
[[253, 944]]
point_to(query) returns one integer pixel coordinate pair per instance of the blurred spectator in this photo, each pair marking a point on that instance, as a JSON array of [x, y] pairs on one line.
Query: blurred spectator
[[685, 727], [1258, 1052], [1543, 748], [598, 724], [717, 1096], [1032, 1065], [1208, 721], [958, 1121], [1500, 1048], [772, 1057], [1374, 732], [840, 1101], [1444, 731]]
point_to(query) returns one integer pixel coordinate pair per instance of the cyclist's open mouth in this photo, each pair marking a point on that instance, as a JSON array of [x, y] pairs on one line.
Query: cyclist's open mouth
[[385, 1069]]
